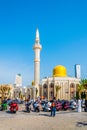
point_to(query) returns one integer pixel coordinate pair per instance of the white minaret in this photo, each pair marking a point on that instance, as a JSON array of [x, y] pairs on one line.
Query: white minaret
[[37, 48]]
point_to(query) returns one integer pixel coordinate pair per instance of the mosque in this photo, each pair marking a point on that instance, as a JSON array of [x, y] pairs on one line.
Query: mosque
[[59, 85]]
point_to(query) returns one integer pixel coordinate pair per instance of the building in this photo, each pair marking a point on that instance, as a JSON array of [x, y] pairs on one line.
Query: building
[[59, 85], [18, 80], [77, 71], [19, 93]]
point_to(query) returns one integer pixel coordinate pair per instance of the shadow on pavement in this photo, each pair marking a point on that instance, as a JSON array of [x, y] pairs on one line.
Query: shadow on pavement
[[24, 111], [8, 112], [65, 112], [44, 115], [80, 124]]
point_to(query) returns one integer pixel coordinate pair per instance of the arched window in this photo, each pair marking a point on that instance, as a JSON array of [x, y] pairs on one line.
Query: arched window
[[52, 85], [45, 90], [45, 86], [72, 90]]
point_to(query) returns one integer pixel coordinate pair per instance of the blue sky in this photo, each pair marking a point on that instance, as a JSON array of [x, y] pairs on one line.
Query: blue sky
[[63, 34]]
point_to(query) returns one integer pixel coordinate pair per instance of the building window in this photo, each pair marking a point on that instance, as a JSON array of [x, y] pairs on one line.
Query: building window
[[52, 85], [45, 86]]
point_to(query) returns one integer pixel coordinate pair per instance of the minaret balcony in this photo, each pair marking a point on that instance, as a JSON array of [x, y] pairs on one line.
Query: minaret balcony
[[37, 46]]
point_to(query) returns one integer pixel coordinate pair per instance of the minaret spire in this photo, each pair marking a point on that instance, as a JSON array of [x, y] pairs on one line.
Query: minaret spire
[[37, 34], [37, 48]]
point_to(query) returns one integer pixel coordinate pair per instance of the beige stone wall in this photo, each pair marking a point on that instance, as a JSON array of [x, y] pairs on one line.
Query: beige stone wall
[[48, 88], [67, 87]]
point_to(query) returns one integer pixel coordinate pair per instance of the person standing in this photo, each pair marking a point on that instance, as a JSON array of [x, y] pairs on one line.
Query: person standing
[[79, 105], [53, 109], [85, 105]]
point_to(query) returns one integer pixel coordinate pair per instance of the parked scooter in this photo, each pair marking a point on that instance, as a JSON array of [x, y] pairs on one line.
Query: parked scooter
[[65, 105], [36, 107], [27, 107], [13, 107], [73, 105], [58, 106], [3, 106]]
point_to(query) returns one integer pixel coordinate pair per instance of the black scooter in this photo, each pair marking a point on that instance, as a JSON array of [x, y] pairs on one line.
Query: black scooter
[[36, 107], [28, 107]]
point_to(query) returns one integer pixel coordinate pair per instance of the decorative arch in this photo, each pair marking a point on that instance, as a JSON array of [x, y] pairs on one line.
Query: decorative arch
[[51, 91], [45, 90], [72, 90]]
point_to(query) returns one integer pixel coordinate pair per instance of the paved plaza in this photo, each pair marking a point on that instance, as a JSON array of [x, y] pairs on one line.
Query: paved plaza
[[67, 120]]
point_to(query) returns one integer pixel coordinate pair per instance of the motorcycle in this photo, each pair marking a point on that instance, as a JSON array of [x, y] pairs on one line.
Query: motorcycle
[[47, 106], [65, 105], [13, 107], [27, 107], [58, 106], [36, 107], [73, 105], [3, 106]]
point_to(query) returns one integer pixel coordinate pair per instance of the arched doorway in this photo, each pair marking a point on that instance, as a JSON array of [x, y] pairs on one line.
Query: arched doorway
[[45, 91], [51, 91]]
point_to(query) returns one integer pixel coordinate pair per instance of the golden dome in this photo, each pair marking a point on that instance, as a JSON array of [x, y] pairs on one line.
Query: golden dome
[[59, 71]]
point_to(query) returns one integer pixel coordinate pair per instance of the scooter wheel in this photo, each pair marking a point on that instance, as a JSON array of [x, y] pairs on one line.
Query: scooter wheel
[[14, 111]]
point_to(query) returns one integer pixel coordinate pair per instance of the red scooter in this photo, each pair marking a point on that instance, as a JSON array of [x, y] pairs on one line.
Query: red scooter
[[13, 107], [58, 106], [65, 105]]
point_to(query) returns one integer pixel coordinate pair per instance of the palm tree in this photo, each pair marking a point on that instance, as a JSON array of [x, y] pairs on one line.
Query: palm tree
[[57, 89], [5, 89], [80, 89], [82, 86], [2, 91], [84, 82]]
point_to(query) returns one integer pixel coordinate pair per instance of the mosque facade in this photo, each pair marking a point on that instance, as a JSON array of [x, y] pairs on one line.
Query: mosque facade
[[59, 85]]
